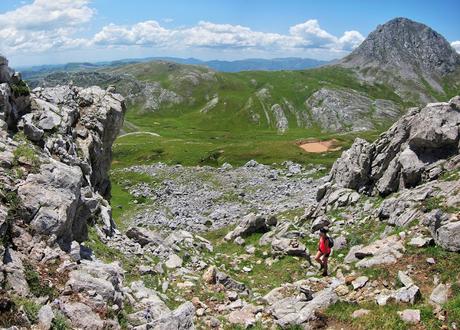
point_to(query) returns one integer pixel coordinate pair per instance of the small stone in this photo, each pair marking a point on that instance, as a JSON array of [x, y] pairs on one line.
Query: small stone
[[342, 290], [164, 286], [144, 270], [241, 317], [349, 279], [411, 316], [250, 249], [232, 295], [214, 323], [209, 276], [75, 251], [360, 282], [360, 313], [200, 312], [404, 279], [239, 240], [431, 261], [174, 261], [440, 294], [247, 269], [45, 317]]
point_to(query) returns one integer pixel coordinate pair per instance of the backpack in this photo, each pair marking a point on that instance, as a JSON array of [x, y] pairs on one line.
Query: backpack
[[331, 242]]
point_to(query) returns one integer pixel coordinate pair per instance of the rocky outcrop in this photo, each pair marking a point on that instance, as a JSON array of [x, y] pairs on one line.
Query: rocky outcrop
[[416, 149], [410, 161], [341, 110], [71, 131]]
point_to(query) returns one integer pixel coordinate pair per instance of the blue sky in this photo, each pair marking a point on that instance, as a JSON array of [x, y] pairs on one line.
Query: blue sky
[[84, 30]]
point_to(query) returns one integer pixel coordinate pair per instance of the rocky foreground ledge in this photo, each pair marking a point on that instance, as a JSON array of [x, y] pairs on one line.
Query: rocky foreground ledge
[[414, 162]]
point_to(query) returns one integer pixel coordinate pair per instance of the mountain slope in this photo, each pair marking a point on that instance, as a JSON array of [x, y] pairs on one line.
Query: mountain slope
[[278, 101], [406, 54]]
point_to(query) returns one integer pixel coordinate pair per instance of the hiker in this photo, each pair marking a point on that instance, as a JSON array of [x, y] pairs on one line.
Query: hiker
[[324, 250]]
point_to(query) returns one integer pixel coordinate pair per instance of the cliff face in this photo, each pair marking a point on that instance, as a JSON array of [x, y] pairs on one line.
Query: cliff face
[[415, 163], [56, 151]]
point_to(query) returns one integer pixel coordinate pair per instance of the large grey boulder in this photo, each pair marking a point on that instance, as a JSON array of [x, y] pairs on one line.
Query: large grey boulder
[[293, 311], [45, 317], [81, 316], [351, 170], [14, 273], [440, 294], [144, 236], [288, 246], [251, 223], [229, 283], [50, 199], [179, 319], [384, 251], [408, 294], [444, 228]]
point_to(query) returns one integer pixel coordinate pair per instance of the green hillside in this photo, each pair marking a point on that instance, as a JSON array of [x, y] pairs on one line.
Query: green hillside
[[209, 117], [227, 132]]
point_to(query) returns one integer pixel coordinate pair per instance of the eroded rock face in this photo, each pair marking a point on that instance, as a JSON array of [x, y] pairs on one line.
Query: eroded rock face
[[404, 156], [55, 150], [410, 161], [347, 110], [72, 130]]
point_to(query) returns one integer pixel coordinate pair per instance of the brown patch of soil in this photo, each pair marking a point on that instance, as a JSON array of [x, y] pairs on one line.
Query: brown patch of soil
[[319, 146]]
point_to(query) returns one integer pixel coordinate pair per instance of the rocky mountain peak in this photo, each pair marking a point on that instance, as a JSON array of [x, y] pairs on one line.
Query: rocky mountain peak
[[405, 45]]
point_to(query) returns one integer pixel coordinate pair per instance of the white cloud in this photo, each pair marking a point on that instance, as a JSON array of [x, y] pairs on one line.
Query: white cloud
[[350, 40], [44, 25], [148, 33], [307, 35], [456, 45], [46, 14], [211, 35], [312, 34]]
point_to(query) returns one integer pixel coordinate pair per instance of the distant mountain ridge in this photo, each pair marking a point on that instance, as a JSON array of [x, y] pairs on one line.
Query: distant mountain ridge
[[250, 64]]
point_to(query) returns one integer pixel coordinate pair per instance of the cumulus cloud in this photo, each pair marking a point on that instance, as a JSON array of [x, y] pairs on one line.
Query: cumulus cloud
[[207, 34], [350, 40], [44, 25], [456, 45], [148, 33], [46, 14], [312, 34], [226, 36]]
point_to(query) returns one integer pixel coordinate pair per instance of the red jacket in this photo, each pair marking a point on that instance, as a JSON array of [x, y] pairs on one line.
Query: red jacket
[[323, 245]]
